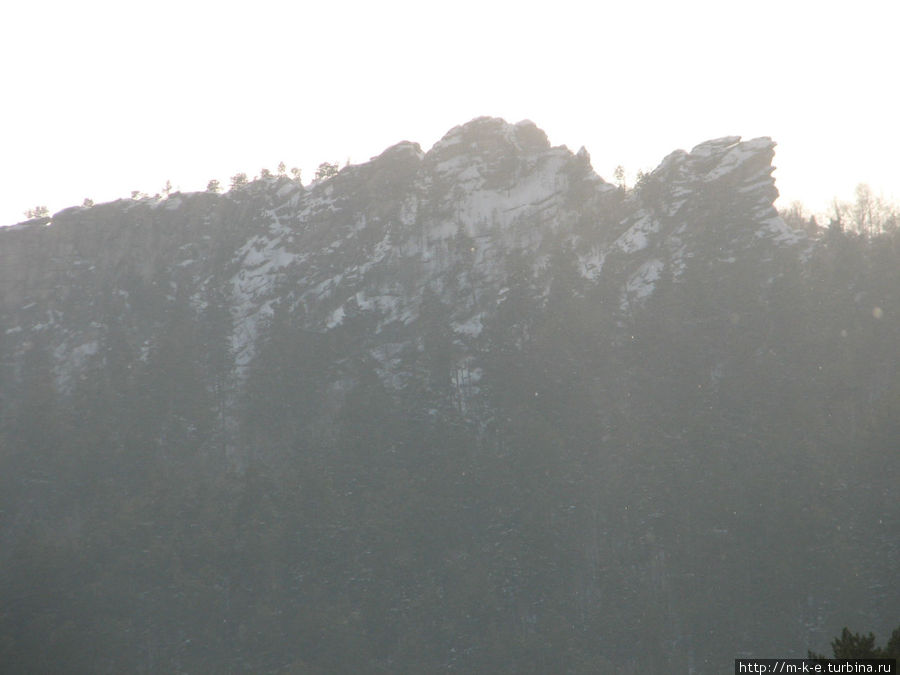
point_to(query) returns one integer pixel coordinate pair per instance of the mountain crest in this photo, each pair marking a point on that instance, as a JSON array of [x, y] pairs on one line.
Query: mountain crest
[[472, 409], [367, 241]]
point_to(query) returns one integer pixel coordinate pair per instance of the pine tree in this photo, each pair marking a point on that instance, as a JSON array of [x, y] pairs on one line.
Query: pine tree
[[326, 170], [858, 646]]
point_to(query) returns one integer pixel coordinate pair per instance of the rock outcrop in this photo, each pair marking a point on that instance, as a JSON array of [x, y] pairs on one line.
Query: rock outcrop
[[371, 239]]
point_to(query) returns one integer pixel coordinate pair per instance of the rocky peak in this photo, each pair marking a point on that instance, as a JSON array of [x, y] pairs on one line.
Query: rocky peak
[[489, 134], [725, 161], [722, 192]]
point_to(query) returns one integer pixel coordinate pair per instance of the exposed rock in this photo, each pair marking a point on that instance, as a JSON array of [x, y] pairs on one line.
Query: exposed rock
[[373, 237]]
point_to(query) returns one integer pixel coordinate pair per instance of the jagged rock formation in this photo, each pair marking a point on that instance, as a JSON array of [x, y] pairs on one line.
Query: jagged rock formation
[[467, 409], [370, 240]]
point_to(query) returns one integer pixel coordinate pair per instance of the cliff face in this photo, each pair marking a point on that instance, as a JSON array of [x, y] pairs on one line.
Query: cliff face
[[371, 239], [468, 409]]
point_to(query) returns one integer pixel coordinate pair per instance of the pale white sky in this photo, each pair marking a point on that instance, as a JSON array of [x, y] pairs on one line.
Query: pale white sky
[[101, 97]]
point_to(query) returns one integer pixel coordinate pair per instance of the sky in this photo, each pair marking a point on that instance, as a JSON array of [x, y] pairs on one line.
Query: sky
[[101, 98]]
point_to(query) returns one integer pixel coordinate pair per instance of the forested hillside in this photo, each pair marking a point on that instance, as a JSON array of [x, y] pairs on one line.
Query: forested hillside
[[468, 410]]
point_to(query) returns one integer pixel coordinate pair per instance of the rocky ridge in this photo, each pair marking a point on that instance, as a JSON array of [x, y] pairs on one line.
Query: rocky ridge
[[370, 240], [468, 409]]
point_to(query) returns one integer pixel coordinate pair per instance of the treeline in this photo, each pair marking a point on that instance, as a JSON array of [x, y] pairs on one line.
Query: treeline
[[867, 215], [238, 181]]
